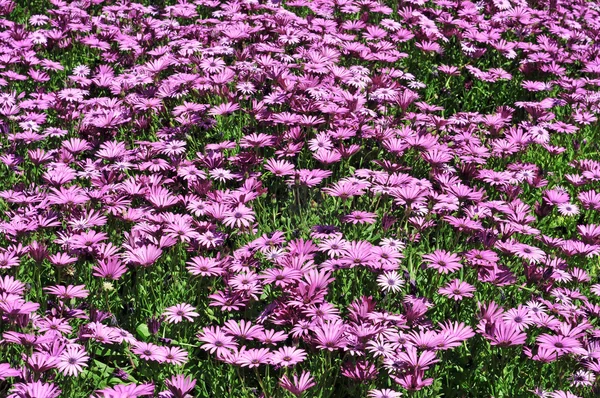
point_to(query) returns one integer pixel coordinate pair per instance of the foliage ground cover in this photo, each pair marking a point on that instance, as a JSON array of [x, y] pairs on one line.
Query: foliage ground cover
[[318, 198]]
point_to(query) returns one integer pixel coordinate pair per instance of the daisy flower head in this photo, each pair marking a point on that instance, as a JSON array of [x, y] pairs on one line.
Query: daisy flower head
[[175, 355], [149, 351], [390, 281], [527, 252], [220, 174], [215, 340], [360, 217], [68, 292], [457, 290], [562, 394], [384, 393], [288, 356], [582, 378], [81, 70], [559, 344], [72, 360], [392, 243], [297, 385], [568, 209], [179, 312], [241, 216], [72, 94], [443, 261]]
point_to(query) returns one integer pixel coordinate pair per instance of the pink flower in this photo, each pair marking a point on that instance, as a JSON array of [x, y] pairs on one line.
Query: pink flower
[[179, 312], [390, 281], [144, 255], [288, 356], [216, 341], [360, 217], [442, 261], [384, 393], [457, 290], [109, 268], [149, 351], [7, 371], [559, 344], [180, 385], [68, 292], [255, 357], [330, 335], [568, 209], [505, 334], [127, 390], [241, 216], [528, 252], [35, 389], [175, 355], [72, 360], [279, 167], [298, 384]]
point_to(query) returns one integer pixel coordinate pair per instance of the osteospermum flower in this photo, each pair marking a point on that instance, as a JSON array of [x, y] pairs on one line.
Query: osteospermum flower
[[241, 216], [380, 347], [568, 209], [442, 261], [528, 252], [180, 385], [68, 292], [392, 243], [216, 341], [109, 268], [559, 344], [457, 290], [127, 390], [7, 371], [330, 335], [72, 360], [280, 167], [384, 393], [175, 355], [35, 389], [334, 246], [582, 378], [149, 351], [506, 334], [288, 356], [297, 385], [72, 94], [519, 316], [390, 281], [562, 394], [360, 217], [179, 312], [221, 174], [8, 260], [255, 357], [144, 255]]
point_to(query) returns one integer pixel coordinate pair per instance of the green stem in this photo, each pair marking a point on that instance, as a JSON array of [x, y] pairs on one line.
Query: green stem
[[260, 382]]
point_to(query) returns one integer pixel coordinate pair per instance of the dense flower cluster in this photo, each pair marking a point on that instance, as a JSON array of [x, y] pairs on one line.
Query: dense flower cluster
[[329, 198]]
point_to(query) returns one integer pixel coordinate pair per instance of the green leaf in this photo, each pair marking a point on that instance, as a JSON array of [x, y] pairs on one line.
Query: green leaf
[[142, 331]]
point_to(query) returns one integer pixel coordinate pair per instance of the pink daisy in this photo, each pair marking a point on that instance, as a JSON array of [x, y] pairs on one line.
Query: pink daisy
[[177, 313], [443, 261], [360, 217], [241, 216], [457, 290], [390, 281], [72, 360], [288, 356], [175, 355]]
